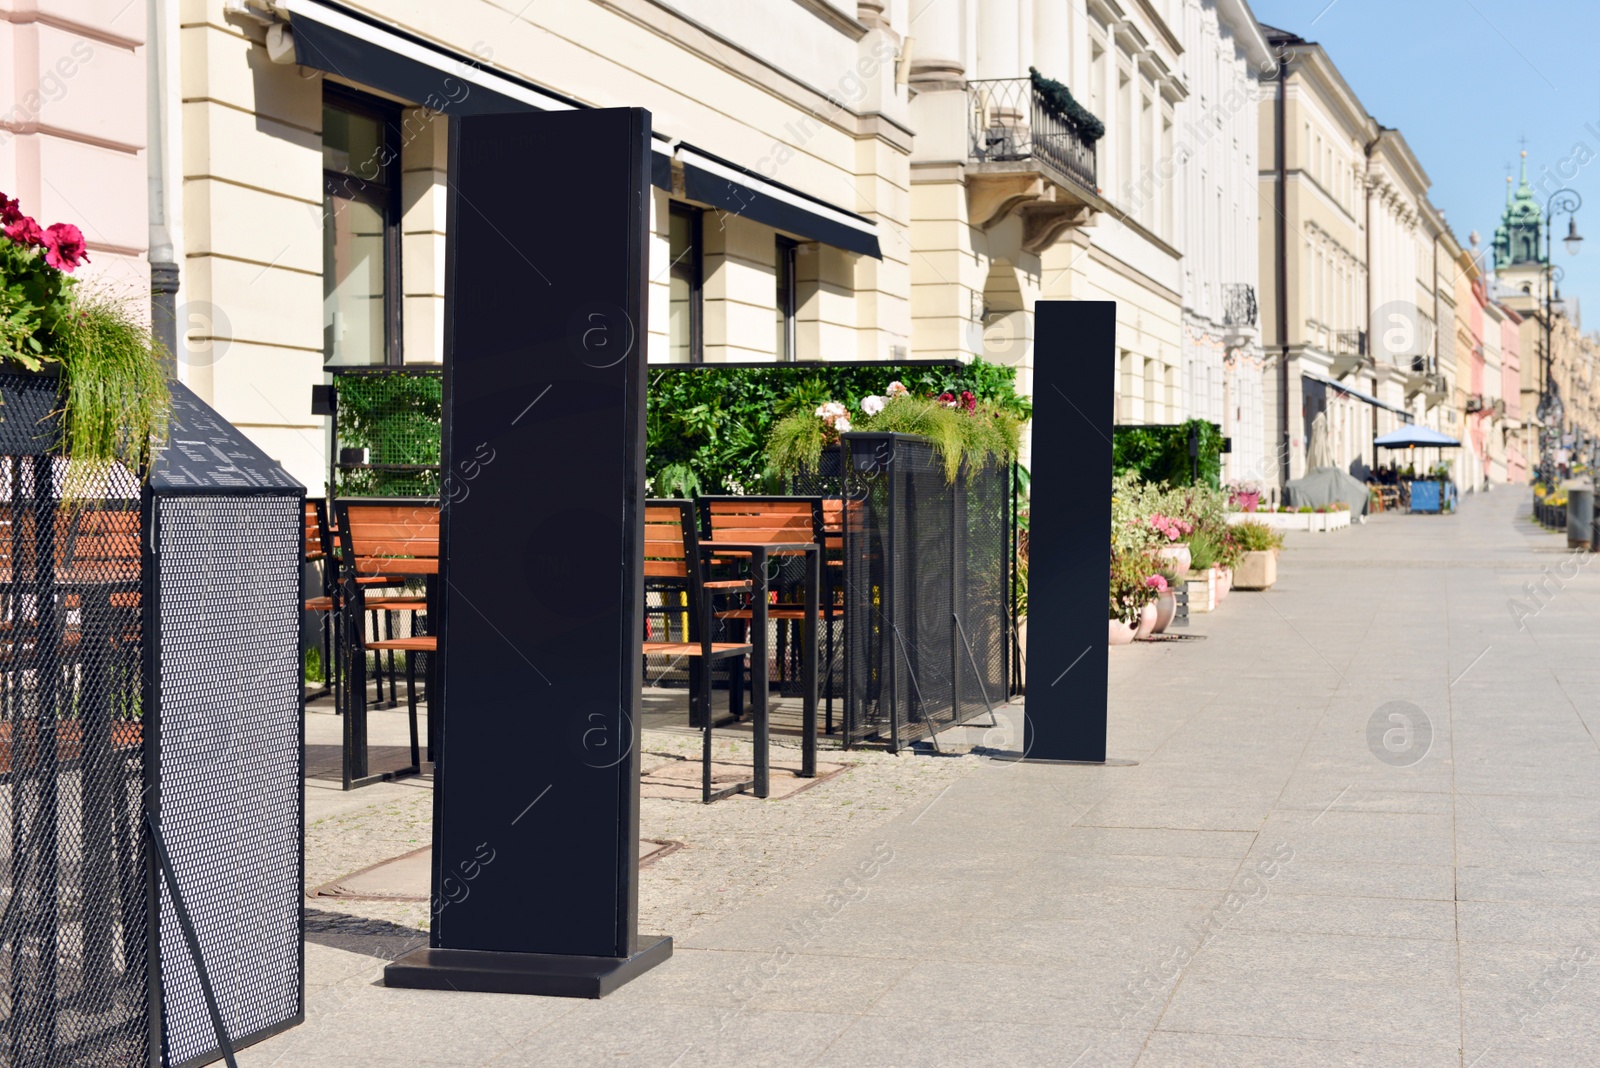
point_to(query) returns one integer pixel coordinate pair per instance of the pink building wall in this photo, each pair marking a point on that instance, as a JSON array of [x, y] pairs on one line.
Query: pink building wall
[[1511, 390], [1477, 422], [72, 128]]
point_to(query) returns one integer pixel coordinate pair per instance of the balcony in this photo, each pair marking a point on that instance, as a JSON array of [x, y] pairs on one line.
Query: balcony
[[1349, 351], [1239, 305], [1011, 122], [1028, 156]]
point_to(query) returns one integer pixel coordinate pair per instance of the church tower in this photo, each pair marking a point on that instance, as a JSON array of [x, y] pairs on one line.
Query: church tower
[[1518, 262]]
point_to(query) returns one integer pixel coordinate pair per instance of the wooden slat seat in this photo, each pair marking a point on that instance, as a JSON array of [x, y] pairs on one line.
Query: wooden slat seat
[[422, 643], [718, 649], [319, 604]]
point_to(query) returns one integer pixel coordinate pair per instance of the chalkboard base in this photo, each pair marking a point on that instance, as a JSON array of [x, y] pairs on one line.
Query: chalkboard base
[[548, 974]]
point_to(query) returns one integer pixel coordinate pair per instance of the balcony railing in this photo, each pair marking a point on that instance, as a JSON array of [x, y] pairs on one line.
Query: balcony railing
[[1238, 304], [1009, 121], [1350, 343]]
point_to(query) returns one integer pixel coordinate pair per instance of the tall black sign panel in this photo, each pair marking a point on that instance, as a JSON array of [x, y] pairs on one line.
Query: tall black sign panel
[[536, 812], [1074, 383]]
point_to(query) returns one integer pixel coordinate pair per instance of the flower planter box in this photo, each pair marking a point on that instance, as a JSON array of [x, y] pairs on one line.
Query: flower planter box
[[1314, 522], [926, 570], [1202, 586], [1256, 571]]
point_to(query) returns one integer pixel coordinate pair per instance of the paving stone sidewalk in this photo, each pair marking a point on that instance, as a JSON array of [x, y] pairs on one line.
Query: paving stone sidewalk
[[1288, 874]]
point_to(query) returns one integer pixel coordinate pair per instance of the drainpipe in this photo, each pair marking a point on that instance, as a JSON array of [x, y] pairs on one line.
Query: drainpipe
[[1281, 268], [163, 257]]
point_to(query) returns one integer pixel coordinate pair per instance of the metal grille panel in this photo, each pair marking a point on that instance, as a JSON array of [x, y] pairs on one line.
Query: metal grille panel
[[926, 563], [229, 762], [394, 414], [73, 938]]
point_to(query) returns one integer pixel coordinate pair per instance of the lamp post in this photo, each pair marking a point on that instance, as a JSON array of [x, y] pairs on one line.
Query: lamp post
[[1561, 202]]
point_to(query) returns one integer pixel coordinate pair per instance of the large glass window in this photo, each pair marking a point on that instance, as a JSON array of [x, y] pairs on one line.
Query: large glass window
[[360, 231], [684, 334], [786, 302]]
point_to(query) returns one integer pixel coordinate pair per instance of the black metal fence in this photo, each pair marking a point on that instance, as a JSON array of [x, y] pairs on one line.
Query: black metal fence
[[927, 570], [149, 745]]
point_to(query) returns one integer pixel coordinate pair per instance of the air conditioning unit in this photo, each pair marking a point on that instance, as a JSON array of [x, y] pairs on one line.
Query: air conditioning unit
[[1475, 403]]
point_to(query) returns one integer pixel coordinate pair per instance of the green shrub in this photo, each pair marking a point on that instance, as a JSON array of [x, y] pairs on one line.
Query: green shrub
[[1257, 537], [1205, 550], [719, 422], [1161, 453]]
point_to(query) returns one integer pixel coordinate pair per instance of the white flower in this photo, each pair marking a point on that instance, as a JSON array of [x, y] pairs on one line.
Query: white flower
[[897, 390], [842, 424], [872, 405], [831, 410]]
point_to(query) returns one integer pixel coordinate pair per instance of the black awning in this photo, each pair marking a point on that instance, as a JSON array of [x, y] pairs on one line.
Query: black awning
[[367, 52], [710, 180], [370, 53]]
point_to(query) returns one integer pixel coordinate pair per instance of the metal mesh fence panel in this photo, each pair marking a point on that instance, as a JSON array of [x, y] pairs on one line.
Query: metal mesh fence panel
[[926, 562], [229, 762], [74, 932], [982, 605], [395, 415]]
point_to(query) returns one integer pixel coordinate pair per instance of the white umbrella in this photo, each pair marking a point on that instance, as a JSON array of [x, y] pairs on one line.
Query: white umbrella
[[1319, 451]]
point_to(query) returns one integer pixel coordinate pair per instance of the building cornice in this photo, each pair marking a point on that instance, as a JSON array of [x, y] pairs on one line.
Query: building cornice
[[852, 28], [1133, 274]]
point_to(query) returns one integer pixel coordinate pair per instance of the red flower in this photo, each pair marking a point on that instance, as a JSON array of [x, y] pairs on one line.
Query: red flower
[[10, 211], [968, 401], [24, 231], [947, 399], [65, 244]]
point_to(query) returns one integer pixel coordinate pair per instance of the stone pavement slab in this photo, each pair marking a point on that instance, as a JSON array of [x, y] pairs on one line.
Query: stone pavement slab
[[1262, 885]]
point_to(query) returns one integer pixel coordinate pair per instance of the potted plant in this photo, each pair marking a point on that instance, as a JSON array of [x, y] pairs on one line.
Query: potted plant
[[1131, 594], [1205, 551], [113, 386], [1170, 529], [1258, 560], [1166, 600], [1245, 495]]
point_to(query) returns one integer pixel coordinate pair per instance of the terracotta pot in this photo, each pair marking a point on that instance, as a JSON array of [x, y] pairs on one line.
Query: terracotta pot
[[1147, 623], [1166, 609], [1121, 633], [1177, 556]]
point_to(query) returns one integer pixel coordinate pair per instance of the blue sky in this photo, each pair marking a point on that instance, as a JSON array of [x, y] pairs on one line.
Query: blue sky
[[1464, 80]]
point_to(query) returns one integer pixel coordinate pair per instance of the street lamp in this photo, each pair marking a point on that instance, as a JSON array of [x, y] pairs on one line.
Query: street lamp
[[1561, 202]]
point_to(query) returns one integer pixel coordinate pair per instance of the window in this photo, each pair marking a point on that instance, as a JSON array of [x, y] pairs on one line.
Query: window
[[685, 335], [361, 294], [786, 303]]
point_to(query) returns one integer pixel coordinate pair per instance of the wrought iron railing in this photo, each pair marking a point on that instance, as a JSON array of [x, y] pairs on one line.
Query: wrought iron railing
[[1238, 304], [1009, 121], [1350, 342]]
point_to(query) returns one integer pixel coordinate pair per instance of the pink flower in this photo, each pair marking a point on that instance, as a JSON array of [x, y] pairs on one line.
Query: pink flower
[[897, 390], [1157, 583], [947, 399], [10, 210], [25, 232], [968, 401], [66, 249]]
